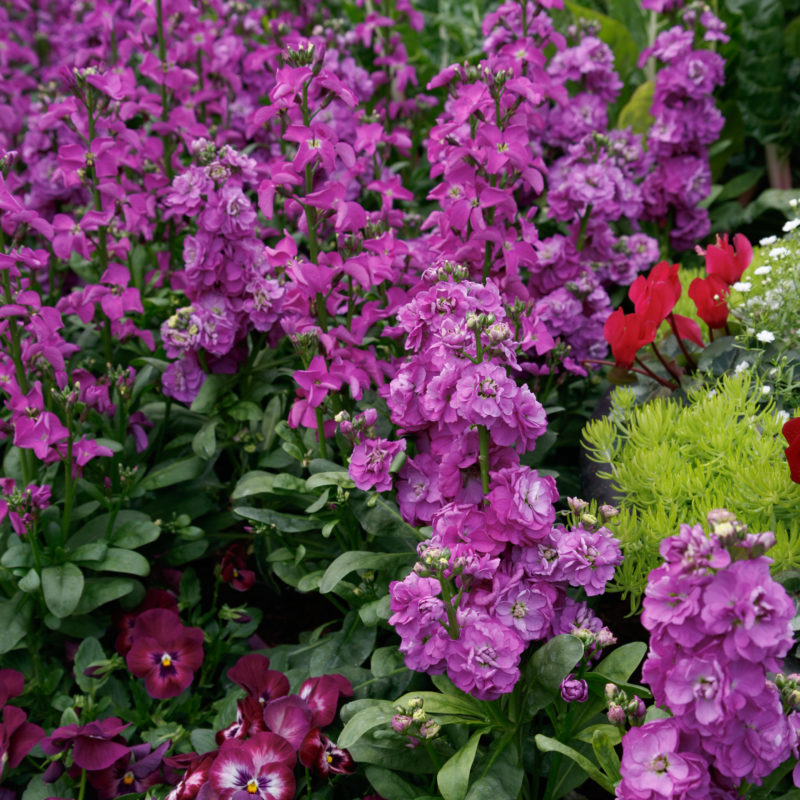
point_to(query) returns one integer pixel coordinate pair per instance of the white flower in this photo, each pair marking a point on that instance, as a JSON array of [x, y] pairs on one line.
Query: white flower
[[782, 416], [793, 202], [765, 336], [766, 389], [765, 269], [768, 240], [742, 286], [790, 225], [741, 367], [712, 393], [778, 252]]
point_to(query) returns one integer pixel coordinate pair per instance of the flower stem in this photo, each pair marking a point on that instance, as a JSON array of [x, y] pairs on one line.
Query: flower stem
[[483, 458], [323, 449], [689, 360], [664, 362], [82, 789]]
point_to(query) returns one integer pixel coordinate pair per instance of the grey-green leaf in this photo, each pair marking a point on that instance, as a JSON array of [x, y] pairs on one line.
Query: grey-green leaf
[[62, 587], [453, 777]]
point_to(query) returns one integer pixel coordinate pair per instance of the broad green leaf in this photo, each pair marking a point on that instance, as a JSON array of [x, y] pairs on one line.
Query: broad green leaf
[[255, 482], [311, 581], [342, 479], [91, 551], [395, 755], [185, 469], [209, 392], [503, 780], [453, 777], [351, 646], [372, 613], [390, 785], [383, 519], [548, 745], [285, 483], [29, 582], [379, 713], [436, 703], [636, 112], [87, 653], [131, 531], [203, 740], [621, 663], [606, 755], [15, 619], [612, 731], [283, 522], [99, 591], [360, 559], [246, 411], [654, 712], [126, 561], [204, 444], [319, 503], [18, 555], [62, 587], [550, 664]]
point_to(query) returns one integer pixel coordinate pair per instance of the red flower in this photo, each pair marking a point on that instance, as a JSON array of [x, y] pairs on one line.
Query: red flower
[[164, 652], [729, 262], [791, 431], [626, 333], [709, 297], [655, 296], [17, 736], [320, 754], [232, 569]]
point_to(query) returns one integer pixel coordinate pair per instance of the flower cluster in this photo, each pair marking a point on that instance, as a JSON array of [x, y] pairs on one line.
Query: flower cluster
[[686, 122], [719, 624], [273, 730], [492, 577]]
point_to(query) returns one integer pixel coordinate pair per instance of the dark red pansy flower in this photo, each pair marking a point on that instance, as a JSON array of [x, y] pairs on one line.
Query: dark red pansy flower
[[232, 569], [320, 754], [164, 652], [17, 736], [154, 598], [791, 432], [12, 683], [249, 721], [197, 767], [252, 673], [136, 771], [322, 695], [96, 745], [289, 717]]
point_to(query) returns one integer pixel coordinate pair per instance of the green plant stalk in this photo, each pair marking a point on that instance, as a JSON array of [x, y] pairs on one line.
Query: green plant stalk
[[323, 448], [582, 231], [447, 598], [82, 789], [483, 457]]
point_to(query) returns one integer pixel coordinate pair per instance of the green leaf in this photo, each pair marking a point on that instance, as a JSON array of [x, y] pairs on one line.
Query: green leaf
[[319, 503], [654, 712], [548, 745], [62, 587], [383, 518], [389, 785], [351, 646], [379, 713], [621, 663], [614, 34], [127, 561], [360, 559], [255, 482], [246, 411], [612, 731], [99, 591], [203, 740], [29, 582], [132, 531], [342, 479], [204, 444], [18, 555], [91, 551], [372, 613], [87, 653], [436, 703], [283, 522], [15, 619], [636, 112], [209, 392], [185, 469], [453, 777], [740, 183], [550, 664], [606, 755], [503, 780]]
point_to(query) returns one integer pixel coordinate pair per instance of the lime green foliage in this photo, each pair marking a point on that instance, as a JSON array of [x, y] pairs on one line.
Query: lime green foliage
[[673, 463]]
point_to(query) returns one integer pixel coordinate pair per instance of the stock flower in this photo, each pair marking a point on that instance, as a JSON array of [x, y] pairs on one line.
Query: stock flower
[[574, 690], [259, 768], [370, 463], [320, 754], [164, 652]]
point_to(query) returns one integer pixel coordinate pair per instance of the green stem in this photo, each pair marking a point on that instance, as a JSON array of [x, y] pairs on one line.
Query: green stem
[[550, 786], [483, 458], [447, 599], [582, 231], [82, 789], [323, 449]]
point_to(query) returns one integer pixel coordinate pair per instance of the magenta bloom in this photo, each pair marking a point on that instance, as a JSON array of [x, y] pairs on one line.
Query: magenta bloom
[[370, 462], [322, 756], [164, 652], [93, 745], [253, 674], [260, 768], [17, 736], [574, 690]]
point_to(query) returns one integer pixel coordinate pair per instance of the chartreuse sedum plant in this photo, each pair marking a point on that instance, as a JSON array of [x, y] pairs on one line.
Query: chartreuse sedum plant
[[669, 462]]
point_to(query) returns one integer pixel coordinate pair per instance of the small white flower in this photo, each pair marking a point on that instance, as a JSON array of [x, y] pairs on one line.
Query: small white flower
[[742, 286], [741, 367], [768, 240], [778, 252], [765, 269], [765, 336], [790, 225], [782, 416], [712, 393], [793, 202], [766, 389]]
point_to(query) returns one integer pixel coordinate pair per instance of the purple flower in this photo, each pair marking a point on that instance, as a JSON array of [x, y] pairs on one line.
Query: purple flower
[[370, 463], [574, 690], [522, 499], [17, 736], [588, 558], [164, 652], [95, 745]]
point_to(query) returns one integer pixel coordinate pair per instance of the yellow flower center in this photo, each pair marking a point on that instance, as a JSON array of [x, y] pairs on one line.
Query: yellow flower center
[[166, 661], [252, 786], [127, 778], [329, 758]]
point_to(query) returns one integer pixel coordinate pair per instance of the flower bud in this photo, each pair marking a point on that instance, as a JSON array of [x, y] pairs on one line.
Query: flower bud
[[616, 715], [429, 729], [401, 723]]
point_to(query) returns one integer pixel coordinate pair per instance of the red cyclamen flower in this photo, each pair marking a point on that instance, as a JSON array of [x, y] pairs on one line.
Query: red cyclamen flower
[[626, 333], [709, 297], [164, 652], [729, 261]]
